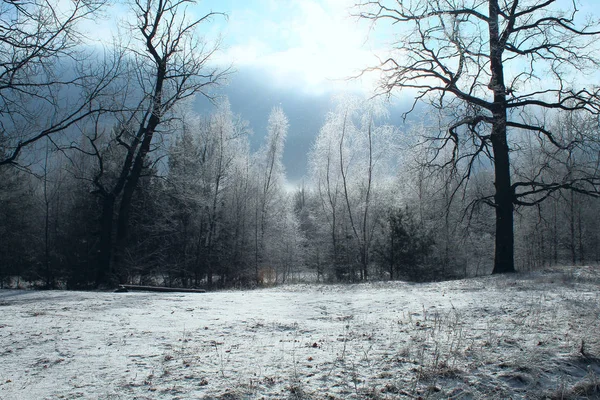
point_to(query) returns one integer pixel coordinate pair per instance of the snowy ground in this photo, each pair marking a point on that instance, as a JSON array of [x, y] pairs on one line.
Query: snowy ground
[[524, 336]]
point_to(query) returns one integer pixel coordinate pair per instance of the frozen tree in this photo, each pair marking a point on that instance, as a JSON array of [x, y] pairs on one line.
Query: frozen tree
[[493, 67], [224, 142], [269, 184], [202, 179], [186, 200], [325, 178], [349, 161], [238, 244], [561, 225]]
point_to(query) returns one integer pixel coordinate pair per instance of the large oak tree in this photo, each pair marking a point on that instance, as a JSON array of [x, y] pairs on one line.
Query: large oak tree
[[499, 67]]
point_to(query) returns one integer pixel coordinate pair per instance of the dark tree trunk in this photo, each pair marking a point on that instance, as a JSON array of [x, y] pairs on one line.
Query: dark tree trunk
[[572, 246], [555, 233], [126, 199], [504, 252], [161, 289], [138, 165], [503, 257]]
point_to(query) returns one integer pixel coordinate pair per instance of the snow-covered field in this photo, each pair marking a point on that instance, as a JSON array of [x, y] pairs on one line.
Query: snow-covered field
[[524, 336]]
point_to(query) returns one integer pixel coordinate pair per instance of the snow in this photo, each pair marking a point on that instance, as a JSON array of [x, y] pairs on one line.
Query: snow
[[529, 335]]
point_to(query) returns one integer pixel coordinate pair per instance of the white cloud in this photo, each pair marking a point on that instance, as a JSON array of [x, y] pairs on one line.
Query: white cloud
[[312, 46], [309, 45]]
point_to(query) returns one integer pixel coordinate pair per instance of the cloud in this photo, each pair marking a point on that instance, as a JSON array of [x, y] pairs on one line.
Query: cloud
[[312, 46], [309, 45]]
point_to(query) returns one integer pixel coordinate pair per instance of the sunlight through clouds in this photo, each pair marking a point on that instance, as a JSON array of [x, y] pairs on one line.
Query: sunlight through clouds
[[313, 46], [310, 45]]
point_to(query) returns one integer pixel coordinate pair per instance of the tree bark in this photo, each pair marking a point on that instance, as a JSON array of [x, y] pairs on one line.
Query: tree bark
[[503, 257], [138, 165], [127, 197]]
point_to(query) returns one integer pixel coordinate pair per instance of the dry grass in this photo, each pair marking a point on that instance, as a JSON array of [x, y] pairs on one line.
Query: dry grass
[[522, 336]]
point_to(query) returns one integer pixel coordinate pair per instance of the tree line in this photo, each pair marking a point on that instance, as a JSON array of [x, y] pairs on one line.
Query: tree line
[[215, 214]]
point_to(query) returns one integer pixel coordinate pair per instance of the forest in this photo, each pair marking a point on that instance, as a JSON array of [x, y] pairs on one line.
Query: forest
[[108, 174]]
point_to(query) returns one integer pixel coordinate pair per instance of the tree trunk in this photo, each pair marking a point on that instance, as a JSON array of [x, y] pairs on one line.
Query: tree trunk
[[555, 232], [126, 199], [138, 165], [160, 289], [580, 235], [503, 257], [256, 229], [48, 271], [504, 252], [212, 226], [392, 253]]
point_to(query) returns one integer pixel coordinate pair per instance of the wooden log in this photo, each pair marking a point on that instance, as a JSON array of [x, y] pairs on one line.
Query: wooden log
[[161, 289]]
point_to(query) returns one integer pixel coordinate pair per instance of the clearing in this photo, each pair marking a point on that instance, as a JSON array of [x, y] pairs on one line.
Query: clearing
[[534, 335]]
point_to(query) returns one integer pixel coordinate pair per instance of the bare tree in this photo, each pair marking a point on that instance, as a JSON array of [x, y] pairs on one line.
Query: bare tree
[[170, 64], [328, 187], [498, 64], [271, 177], [46, 82], [349, 164]]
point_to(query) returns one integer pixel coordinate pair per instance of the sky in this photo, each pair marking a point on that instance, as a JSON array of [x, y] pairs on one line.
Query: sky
[[312, 46], [297, 54]]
